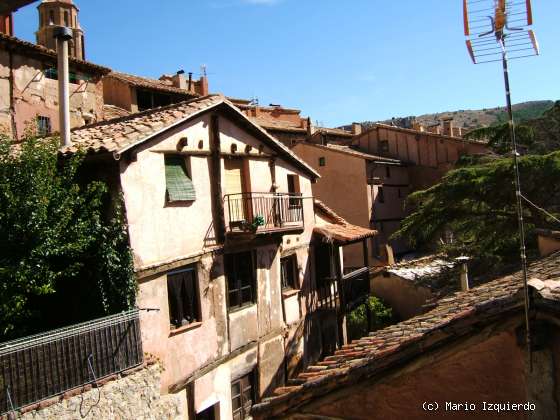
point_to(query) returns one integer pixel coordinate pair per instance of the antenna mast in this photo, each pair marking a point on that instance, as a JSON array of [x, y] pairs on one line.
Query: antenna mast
[[487, 27]]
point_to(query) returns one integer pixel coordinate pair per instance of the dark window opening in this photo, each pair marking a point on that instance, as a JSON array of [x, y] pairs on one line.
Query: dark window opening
[[383, 146], [322, 161], [43, 126], [289, 272], [242, 397], [182, 293], [381, 195], [52, 73], [51, 17], [148, 100], [208, 414], [241, 276], [388, 172], [293, 190], [66, 19]]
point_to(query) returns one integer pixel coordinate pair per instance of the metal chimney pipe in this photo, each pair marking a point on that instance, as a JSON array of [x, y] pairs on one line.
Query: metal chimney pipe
[[190, 81], [63, 35]]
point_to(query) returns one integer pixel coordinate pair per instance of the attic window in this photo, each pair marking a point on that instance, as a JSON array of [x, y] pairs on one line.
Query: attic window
[[179, 184], [383, 146], [322, 161]]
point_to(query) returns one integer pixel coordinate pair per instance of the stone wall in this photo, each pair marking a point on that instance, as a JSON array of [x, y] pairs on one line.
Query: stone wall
[[134, 396]]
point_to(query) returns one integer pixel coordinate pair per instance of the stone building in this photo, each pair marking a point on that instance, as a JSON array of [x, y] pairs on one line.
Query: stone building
[[429, 155], [29, 89], [467, 358], [221, 219]]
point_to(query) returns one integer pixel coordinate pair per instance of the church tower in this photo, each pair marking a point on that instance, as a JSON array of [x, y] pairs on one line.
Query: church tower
[[60, 13]]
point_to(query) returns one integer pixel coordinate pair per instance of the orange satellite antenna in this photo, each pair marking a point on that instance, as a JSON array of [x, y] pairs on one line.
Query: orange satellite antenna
[[499, 30]]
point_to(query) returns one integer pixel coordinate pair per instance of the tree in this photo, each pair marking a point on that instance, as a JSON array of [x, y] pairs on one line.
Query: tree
[[499, 138], [472, 210], [61, 259], [380, 316]]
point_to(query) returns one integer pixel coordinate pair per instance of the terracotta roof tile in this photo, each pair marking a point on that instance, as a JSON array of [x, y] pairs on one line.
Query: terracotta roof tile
[[154, 84], [340, 230], [365, 357], [14, 42]]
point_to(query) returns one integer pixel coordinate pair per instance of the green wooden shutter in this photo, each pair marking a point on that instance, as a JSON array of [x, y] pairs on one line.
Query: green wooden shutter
[[179, 185]]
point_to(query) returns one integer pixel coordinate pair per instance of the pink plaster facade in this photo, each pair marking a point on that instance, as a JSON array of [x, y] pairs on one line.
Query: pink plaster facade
[[208, 355]]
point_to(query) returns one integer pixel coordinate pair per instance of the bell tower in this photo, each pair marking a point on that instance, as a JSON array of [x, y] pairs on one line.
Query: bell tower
[[54, 13]]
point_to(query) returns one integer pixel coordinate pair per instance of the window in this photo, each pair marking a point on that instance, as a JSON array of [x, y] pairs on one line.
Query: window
[[178, 183], [240, 274], [381, 195], [66, 20], [293, 190], [387, 172], [51, 73], [51, 17], [289, 272], [399, 193], [383, 146], [322, 161], [242, 397], [182, 295], [43, 126], [208, 414]]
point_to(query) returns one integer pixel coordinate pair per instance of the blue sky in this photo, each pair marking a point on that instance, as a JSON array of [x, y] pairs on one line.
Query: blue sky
[[337, 61]]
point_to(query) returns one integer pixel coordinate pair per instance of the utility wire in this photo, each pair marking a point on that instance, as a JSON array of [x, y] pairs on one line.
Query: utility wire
[[541, 209]]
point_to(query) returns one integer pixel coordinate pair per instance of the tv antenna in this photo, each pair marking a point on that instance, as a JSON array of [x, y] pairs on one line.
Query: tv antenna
[[499, 30]]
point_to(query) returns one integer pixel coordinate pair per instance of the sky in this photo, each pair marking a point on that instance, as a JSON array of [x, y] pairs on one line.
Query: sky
[[337, 61]]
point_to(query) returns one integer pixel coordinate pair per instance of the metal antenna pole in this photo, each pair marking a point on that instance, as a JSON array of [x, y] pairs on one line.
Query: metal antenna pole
[[518, 197]]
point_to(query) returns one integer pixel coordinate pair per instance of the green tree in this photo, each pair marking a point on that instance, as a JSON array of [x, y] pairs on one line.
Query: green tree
[[472, 210], [380, 316], [499, 138], [63, 257]]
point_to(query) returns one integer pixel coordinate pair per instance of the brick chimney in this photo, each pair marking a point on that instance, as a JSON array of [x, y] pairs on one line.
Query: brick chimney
[[7, 25], [447, 126], [203, 86], [356, 128], [418, 127]]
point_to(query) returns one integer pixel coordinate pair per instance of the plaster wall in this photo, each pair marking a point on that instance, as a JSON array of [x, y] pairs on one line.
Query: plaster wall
[[405, 298], [35, 95], [548, 245], [117, 93]]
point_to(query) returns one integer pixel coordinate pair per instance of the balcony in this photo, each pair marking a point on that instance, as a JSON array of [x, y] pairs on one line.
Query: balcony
[[345, 294], [263, 213]]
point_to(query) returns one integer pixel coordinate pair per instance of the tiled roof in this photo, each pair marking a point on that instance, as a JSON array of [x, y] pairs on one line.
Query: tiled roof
[[377, 126], [7, 41], [121, 134], [278, 125], [356, 153], [334, 131], [110, 112], [453, 317], [339, 230], [144, 82]]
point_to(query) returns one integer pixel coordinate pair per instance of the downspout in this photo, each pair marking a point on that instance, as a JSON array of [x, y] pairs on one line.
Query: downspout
[[63, 35]]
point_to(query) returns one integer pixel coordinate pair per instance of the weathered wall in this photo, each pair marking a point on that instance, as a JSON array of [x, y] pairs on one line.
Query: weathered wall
[[130, 397], [35, 95], [405, 298], [548, 245], [492, 371]]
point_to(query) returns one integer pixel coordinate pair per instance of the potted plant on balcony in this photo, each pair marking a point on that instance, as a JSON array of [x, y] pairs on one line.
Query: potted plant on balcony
[[251, 228]]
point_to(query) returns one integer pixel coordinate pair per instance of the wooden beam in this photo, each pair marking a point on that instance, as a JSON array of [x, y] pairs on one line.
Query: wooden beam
[[216, 179]]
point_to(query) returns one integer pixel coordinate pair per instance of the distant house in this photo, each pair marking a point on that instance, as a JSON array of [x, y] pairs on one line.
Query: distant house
[[469, 350], [366, 189]]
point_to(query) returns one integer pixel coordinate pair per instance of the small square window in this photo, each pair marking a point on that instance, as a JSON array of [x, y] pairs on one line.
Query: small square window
[[242, 396], [322, 161], [43, 126], [182, 293], [289, 272], [241, 279]]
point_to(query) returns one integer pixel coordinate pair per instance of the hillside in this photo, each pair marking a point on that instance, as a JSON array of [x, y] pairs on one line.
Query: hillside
[[470, 119]]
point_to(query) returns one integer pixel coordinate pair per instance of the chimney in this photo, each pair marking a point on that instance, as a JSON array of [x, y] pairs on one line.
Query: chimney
[[190, 81], [418, 126], [62, 35], [448, 127], [7, 24], [356, 128], [203, 83], [179, 80], [464, 273]]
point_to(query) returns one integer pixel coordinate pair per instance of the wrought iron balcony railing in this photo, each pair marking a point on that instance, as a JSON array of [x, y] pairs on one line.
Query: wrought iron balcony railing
[[263, 212]]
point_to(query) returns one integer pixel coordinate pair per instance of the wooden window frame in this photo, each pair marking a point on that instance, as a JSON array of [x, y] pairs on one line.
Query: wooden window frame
[[289, 263], [230, 263], [196, 315], [246, 385], [47, 124]]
